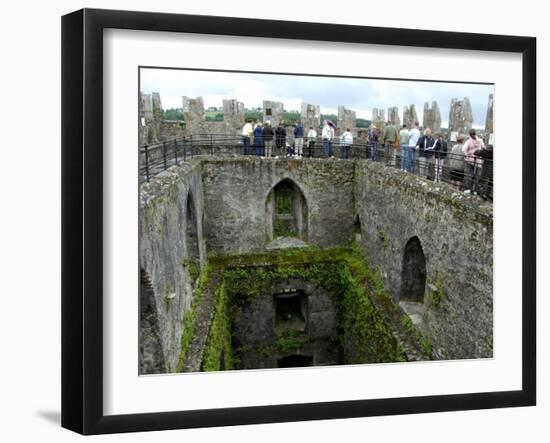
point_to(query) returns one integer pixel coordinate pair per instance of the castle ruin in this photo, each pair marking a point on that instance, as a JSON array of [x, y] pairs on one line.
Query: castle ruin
[[460, 117], [393, 116], [410, 117], [432, 117]]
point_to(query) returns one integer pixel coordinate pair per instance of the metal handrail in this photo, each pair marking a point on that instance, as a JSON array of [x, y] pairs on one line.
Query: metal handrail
[[476, 173]]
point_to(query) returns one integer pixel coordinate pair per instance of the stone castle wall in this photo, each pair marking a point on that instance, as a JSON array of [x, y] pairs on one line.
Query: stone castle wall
[[457, 241], [165, 251], [236, 192], [230, 198]]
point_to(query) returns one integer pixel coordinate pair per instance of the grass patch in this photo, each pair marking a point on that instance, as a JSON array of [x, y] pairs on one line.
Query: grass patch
[[189, 319]]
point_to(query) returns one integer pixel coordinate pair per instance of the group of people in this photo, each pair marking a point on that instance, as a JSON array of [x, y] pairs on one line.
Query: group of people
[[465, 159], [263, 141], [468, 163]]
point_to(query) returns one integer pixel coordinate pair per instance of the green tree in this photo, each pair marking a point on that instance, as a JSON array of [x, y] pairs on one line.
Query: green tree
[[173, 114]]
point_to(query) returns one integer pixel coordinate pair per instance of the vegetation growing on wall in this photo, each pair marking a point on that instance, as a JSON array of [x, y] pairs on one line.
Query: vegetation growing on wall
[[189, 319], [366, 322], [362, 332], [218, 353], [436, 292]]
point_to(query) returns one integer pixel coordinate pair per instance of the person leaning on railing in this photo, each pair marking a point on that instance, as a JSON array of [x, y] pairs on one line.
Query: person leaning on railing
[[346, 141], [311, 139], [389, 139], [246, 134], [440, 152], [268, 137], [486, 179], [470, 146], [327, 135], [280, 138], [456, 163], [424, 147]]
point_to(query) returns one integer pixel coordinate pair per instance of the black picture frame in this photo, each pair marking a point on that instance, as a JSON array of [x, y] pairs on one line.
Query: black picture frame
[[82, 218]]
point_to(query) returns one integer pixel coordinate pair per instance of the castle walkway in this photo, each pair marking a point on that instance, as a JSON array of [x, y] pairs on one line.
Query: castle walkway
[[474, 177]]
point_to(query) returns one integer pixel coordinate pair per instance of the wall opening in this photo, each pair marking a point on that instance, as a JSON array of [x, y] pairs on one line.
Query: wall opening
[[413, 275], [151, 357], [357, 228], [191, 231], [290, 311], [295, 361], [287, 207]]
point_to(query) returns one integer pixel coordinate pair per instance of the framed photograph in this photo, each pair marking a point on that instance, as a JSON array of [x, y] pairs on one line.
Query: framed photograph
[[269, 221]]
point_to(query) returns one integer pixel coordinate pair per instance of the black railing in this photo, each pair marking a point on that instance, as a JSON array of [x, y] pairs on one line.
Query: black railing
[[470, 174]]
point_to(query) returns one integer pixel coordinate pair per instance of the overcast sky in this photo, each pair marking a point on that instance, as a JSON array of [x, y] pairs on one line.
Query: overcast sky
[[360, 95]]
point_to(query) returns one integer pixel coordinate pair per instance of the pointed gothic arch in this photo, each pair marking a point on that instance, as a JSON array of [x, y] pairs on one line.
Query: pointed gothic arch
[[286, 211], [413, 273]]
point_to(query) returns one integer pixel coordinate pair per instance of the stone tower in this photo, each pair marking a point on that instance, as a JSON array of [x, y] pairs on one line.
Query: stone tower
[[432, 117], [378, 117], [489, 118], [146, 127], [193, 114], [233, 113], [410, 117], [346, 119], [273, 112], [460, 116], [311, 115], [393, 116]]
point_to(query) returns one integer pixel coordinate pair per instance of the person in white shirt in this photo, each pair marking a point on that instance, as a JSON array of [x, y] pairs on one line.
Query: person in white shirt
[[327, 134], [346, 141], [311, 139], [246, 134], [414, 135]]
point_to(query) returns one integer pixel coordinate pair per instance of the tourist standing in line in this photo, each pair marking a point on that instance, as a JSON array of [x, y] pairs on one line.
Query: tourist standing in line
[[346, 141], [440, 152], [280, 138], [486, 179], [246, 134], [259, 139], [298, 139], [424, 146], [470, 147], [268, 137], [373, 138], [414, 136], [404, 142], [389, 138], [311, 139], [327, 135], [456, 163]]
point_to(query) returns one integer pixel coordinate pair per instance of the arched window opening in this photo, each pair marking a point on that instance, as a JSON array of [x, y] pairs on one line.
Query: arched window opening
[[287, 209], [357, 228], [413, 275]]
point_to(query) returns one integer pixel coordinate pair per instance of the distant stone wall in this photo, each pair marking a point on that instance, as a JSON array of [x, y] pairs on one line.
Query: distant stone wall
[[166, 251], [456, 235], [236, 193]]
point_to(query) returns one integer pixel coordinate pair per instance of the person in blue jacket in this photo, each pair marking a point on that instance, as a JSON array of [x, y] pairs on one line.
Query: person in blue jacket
[[298, 139], [259, 142]]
